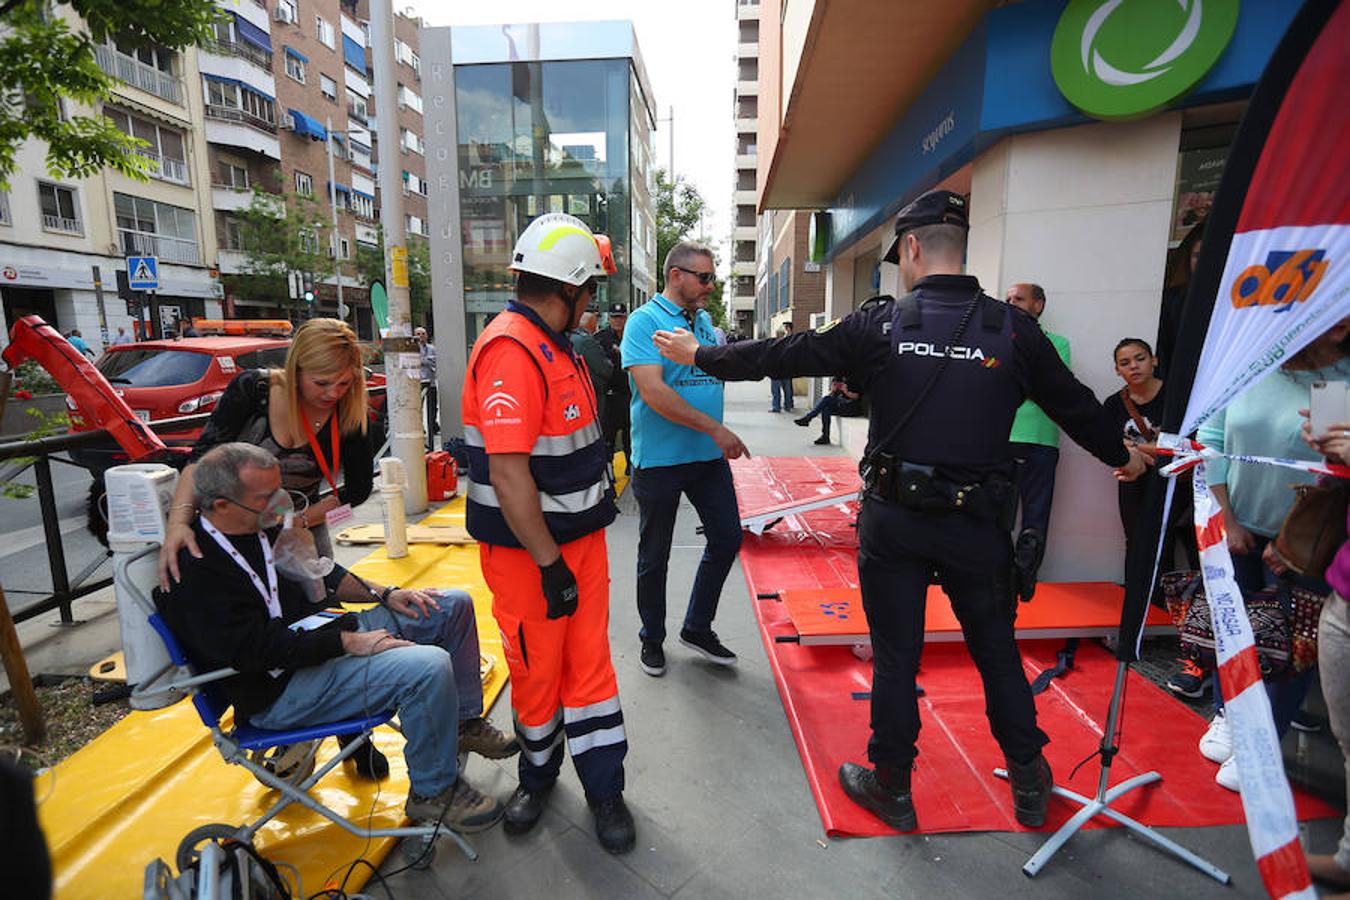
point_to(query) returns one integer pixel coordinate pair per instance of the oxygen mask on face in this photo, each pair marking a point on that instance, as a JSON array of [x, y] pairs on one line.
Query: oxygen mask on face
[[297, 558]]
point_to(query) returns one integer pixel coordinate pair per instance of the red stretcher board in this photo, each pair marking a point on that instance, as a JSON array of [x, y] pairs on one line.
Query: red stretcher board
[[1082, 609], [814, 556]]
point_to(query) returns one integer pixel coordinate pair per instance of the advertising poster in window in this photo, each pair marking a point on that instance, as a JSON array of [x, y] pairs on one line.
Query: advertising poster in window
[[1197, 179]]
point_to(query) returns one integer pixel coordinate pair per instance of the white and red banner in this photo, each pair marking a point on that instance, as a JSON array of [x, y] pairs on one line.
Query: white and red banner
[[1274, 274]]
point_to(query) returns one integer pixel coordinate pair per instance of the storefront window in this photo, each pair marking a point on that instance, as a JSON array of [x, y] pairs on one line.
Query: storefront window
[[539, 137]]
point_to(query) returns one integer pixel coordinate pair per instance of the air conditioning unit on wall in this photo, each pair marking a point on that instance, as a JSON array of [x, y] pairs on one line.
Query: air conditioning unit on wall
[[287, 122], [282, 14]]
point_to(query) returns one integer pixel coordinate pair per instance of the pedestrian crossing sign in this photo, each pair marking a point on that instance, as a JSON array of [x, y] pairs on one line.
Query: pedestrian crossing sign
[[143, 273]]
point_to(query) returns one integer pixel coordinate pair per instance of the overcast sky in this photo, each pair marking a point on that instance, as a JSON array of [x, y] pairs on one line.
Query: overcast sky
[[689, 49]]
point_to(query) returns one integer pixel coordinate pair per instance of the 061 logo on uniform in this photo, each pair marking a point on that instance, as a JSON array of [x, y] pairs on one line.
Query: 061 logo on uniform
[[1287, 277]]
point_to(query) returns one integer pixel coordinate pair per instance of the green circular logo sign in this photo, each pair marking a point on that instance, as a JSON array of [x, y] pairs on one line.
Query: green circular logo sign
[[1121, 59]]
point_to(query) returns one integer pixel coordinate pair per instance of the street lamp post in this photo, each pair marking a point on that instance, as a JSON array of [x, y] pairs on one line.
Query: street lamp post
[[332, 206]]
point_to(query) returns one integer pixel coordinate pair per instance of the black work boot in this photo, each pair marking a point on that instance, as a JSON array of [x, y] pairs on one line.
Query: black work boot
[[614, 825], [524, 809], [1031, 783], [883, 791], [371, 764]]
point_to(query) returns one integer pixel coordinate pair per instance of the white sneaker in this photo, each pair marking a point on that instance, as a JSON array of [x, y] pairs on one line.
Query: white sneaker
[[1217, 744], [1228, 775]]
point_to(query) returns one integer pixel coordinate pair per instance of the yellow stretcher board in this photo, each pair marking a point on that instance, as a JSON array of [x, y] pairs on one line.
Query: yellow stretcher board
[[131, 794]]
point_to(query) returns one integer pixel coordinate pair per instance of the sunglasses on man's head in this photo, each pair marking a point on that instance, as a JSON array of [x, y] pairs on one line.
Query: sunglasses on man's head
[[703, 277]]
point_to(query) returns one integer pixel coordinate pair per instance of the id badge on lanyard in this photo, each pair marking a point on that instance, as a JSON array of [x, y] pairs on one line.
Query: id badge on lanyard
[[339, 515]]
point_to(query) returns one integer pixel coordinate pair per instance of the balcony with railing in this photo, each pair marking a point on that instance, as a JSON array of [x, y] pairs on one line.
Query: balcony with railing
[[62, 224], [168, 249], [165, 168], [234, 114], [244, 50], [138, 74]]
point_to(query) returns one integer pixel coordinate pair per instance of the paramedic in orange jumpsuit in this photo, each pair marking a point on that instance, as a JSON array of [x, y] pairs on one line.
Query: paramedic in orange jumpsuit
[[540, 495]]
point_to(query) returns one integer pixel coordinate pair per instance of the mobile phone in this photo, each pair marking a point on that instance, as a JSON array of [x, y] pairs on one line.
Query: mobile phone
[[1327, 405]]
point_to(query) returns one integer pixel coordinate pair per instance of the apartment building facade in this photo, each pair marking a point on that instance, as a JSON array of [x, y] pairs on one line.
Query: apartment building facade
[[256, 108], [741, 289], [63, 240]]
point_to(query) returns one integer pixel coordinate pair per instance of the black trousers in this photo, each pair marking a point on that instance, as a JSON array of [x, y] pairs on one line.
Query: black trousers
[[898, 548], [615, 422]]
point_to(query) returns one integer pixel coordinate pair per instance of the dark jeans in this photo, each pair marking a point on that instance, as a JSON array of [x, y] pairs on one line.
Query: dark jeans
[[1286, 697], [1036, 482], [781, 390], [433, 414], [615, 422], [897, 548], [708, 487], [825, 407]]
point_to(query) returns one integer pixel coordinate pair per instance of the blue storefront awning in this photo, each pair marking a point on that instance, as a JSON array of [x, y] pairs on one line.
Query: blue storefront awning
[[291, 51], [308, 125], [240, 84], [354, 54], [252, 34]]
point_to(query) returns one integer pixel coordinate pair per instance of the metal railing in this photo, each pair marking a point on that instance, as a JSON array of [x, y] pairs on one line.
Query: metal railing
[[244, 50], [166, 168], [168, 249], [137, 74], [61, 223], [234, 114]]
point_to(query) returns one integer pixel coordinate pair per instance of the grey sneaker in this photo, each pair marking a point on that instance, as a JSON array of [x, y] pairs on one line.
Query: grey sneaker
[[459, 807], [487, 740]]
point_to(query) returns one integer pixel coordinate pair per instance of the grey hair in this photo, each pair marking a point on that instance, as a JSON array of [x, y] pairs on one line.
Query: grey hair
[[1037, 292], [683, 253], [941, 240], [217, 474]]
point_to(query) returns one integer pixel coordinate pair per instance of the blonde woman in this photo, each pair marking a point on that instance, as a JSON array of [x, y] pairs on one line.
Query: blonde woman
[[313, 416]]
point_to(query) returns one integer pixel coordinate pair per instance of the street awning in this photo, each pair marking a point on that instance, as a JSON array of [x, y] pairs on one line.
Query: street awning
[[354, 54], [308, 125], [252, 33]]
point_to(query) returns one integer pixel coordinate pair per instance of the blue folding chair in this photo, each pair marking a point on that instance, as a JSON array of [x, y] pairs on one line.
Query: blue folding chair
[[245, 745]]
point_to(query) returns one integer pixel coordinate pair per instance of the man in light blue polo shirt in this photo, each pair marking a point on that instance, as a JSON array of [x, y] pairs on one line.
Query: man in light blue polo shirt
[[680, 446]]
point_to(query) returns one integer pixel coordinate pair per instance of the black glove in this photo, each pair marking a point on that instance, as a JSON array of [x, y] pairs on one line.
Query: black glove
[[1027, 555], [560, 588]]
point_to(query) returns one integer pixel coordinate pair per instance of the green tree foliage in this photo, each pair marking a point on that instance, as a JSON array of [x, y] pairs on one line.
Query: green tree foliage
[[370, 268], [679, 209], [48, 72], [280, 234]]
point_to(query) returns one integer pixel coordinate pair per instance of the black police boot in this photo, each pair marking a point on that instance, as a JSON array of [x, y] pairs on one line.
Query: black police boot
[[883, 791], [614, 825], [524, 809], [1031, 783]]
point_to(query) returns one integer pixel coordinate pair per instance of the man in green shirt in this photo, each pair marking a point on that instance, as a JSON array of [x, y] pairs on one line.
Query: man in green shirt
[[1034, 440]]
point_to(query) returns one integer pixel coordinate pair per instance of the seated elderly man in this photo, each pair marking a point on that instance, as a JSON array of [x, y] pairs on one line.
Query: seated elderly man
[[416, 651]]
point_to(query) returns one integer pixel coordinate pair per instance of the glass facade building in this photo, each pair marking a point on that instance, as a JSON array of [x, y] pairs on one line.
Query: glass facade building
[[552, 118]]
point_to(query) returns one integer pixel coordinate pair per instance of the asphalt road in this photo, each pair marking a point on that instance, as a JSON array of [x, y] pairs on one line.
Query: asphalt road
[[24, 571]]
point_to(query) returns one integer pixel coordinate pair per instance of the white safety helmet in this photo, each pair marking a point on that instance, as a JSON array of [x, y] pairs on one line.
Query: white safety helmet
[[561, 247]]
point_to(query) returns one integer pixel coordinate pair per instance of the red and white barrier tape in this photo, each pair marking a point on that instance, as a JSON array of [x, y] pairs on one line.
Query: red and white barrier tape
[[1267, 802]]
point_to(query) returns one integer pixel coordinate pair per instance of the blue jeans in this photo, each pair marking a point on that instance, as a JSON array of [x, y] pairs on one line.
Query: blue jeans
[[708, 487], [825, 407], [434, 686], [1036, 483], [781, 391], [1286, 697]]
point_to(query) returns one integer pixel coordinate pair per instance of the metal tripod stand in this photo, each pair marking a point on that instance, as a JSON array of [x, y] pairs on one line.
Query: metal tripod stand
[[1100, 805]]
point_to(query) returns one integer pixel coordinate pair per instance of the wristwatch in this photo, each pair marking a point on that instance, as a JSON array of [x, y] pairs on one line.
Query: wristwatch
[[385, 594]]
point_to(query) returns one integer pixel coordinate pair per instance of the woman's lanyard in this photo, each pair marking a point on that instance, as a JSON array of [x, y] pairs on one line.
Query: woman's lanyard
[[269, 593], [318, 454]]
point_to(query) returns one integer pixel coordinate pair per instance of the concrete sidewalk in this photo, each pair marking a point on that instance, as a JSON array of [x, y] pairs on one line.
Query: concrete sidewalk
[[720, 797], [714, 779]]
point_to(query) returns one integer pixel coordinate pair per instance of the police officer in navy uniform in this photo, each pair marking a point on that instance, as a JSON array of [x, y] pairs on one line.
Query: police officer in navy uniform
[[946, 367]]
